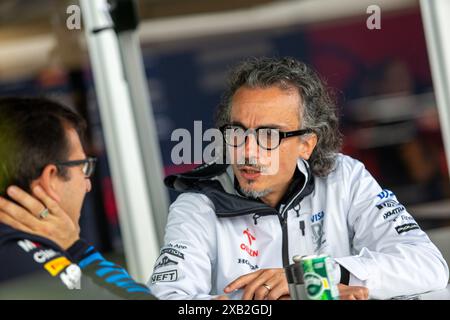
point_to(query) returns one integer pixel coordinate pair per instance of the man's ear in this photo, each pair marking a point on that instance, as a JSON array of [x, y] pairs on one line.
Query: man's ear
[[49, 181], [307, 145]]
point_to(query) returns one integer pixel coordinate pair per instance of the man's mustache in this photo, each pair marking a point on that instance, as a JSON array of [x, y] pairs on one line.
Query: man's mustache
[[251, 163]]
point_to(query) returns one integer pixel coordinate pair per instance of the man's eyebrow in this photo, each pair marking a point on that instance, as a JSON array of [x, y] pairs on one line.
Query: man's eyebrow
[[237, 123], [271, 126], [268, 126]]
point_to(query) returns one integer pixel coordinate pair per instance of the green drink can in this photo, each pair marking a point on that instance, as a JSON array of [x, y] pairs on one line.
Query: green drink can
[[318, 275]]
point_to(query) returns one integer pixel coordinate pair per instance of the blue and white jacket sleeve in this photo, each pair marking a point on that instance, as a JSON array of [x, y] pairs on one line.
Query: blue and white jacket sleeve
[[106, 274], [392, 255]]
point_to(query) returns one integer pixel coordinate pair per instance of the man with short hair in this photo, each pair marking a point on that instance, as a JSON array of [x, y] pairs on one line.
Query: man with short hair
[[41, 153], [234, 227]]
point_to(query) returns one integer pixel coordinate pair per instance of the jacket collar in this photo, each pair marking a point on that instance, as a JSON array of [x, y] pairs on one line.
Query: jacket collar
[[216, 181]]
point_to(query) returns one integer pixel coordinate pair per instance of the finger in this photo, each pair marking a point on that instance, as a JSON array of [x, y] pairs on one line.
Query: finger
[[6, 219], [279, 290], [242, 281], [261, 293], [19, 214], [252, 287], [270, 277], [51, 204], [33, 205], [344, 290], [361, 293]]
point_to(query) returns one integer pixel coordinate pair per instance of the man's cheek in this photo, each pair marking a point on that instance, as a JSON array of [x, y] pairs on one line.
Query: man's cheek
[[270, 160]]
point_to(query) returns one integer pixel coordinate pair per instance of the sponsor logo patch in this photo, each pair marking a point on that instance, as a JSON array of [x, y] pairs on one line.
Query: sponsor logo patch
[[388, 204], [27, 245], [245, 261], [405, 217], [317, 217], [385, 194], [407, 227], [167, 276], [165, 261], [173, 252], [55, 266], [71, 277], [177, 246], [42, 256], [395, 211], [250, 239]]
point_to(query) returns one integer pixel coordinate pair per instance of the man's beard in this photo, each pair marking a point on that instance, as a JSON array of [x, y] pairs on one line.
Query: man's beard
[[254, 193], [253, 163]]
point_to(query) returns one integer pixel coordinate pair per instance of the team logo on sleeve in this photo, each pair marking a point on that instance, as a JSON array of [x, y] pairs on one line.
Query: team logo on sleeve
[[164, 261], [389, 206], [385, 194]]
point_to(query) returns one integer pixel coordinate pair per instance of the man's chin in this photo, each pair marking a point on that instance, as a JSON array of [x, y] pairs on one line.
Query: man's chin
[[253, 190]]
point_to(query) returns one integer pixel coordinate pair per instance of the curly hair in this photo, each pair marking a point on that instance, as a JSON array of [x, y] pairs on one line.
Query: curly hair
[[317, 108]]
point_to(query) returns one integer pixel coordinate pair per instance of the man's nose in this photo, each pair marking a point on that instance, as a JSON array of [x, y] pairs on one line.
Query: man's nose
[[251, 146]]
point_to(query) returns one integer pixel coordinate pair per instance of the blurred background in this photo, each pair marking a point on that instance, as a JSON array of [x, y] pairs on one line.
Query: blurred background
[[381, 79]]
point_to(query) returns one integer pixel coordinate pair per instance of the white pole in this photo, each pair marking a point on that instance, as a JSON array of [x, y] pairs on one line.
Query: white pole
[[146, 127], [437, 31], [124, 152]]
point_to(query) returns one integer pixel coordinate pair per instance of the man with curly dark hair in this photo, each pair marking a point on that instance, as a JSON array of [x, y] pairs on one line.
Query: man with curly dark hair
[[287, 191]]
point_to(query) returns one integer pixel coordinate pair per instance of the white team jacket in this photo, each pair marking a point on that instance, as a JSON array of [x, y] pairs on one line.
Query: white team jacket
[[346, 215]]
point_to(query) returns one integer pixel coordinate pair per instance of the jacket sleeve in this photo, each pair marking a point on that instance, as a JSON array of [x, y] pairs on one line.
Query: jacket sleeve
[[183, 269], [106, 274], [24, 257], [393, 256]]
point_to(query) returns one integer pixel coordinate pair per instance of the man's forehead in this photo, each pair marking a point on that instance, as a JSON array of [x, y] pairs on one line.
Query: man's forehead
[[265, 106], [76, 148]]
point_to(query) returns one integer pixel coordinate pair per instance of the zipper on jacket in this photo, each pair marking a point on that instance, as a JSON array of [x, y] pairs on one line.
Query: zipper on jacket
[[302, 227], [255, 218], [284, 228], [285, 244]]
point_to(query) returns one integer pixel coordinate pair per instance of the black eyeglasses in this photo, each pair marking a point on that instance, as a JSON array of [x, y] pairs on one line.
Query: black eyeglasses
[[88, 165], [267, 138]]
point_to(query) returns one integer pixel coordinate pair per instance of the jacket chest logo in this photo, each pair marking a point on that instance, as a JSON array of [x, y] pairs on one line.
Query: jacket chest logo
[[248, 242], [318, 236]]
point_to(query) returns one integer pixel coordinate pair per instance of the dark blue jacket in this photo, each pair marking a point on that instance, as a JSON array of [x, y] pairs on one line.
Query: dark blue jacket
[[23, 254]]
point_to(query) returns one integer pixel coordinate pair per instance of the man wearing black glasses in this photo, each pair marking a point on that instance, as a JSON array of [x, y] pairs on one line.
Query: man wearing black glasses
[[287, 191], [44, 171]]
